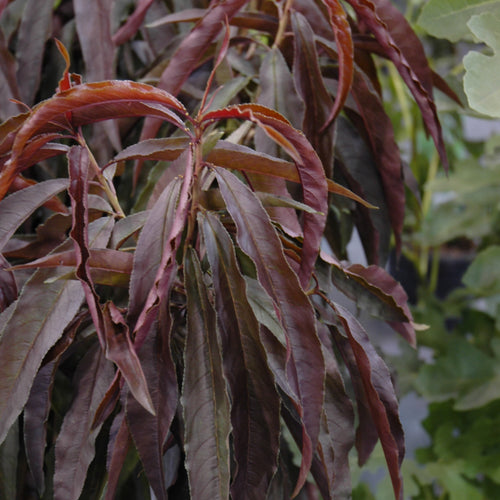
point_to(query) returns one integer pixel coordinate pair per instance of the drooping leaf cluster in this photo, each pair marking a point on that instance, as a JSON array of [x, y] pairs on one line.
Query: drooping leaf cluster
[[165, 303]]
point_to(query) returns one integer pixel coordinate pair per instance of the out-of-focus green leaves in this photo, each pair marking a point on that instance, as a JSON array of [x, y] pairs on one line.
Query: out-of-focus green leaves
[[481, 70], [449, 19]]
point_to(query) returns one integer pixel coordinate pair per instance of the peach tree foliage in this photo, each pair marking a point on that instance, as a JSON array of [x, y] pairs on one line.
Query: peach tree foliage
[[169, 322]]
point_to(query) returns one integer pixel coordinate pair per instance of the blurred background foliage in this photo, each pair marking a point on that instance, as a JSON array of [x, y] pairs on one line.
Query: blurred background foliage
[[451, 264]]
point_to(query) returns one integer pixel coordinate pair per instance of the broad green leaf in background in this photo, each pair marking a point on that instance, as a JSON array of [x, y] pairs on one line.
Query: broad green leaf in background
[[483, 275], [482, 71], [448, 19]]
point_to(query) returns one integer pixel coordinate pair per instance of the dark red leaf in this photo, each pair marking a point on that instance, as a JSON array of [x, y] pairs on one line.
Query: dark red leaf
[[148, 431], [370, 14], [93, 26], [54, 204], [78, 162], [377, 293], [37, 409], [205, 400], [380, 132], [127, 227], [305, 367], [309, 167], [31, 327], [310, 84], [35, 418], [251, 20], [345, 49], [8, 82], [17, 207], [254, 400], [150, 246], [8, 285], [338, 430], [380, 395], [277, 91], [88, 103], [75, 442], [163, 279], [387, 289], [133, 23], [118, 447], [356, 165], [186, 58], [164, 149], [121, 351], [34, 31], [33, 324], [99, 258]]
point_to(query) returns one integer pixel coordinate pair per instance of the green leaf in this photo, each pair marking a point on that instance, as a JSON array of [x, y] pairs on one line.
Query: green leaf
[[483, 275], [482, 71], [460, 370], [449, 19], [204, 397]]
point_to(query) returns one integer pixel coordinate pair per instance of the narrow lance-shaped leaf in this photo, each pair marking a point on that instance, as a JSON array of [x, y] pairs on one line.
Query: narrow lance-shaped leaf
[[345, 49], [186, 58], [78, 164], [75, 442], [309, 167], [38, 406], [367, 11], [118, 446], [99, 258], [39, 317], [32, 325], [120, 350], [34, 31], [309, 82], [204, 397], [133, 23], [89, 103], [229, 155], [94, 33], [277, 91], [338, 422], [111, 329], [380, 395], [257, 237], [254, 399], [148, 431], [17, 207], [165, 274], [8, 285], [380, 132], [150, 246]]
